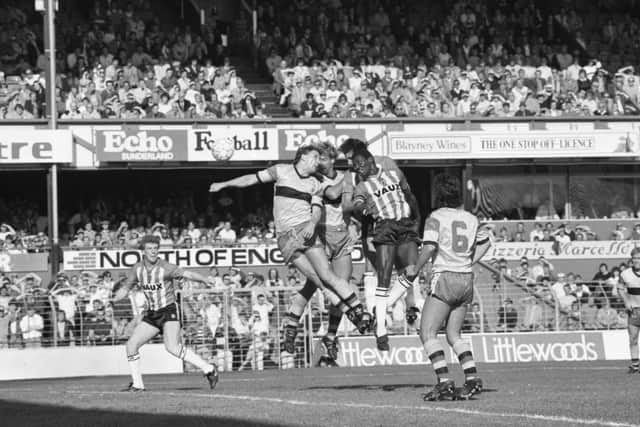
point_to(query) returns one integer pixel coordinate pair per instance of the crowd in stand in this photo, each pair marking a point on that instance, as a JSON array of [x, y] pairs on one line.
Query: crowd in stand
[[562, 233], [118, 63], [481, 59]]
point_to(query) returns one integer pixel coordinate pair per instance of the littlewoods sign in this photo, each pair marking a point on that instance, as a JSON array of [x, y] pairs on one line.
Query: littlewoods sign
[[488, 348]]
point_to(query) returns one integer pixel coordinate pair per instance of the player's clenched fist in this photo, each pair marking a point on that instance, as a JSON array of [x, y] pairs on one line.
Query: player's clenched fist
[[215, 187]]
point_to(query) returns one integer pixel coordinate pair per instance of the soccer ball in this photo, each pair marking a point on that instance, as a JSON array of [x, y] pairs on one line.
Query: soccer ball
[[222, 149]]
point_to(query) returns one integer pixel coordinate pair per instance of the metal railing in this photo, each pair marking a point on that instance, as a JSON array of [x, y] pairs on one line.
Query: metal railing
[[241, 328]]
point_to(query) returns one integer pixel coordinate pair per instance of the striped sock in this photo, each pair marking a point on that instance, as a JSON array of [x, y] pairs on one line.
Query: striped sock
[[635, 363], [435, 352], [136, 374], [381, 311], [398, 289], [335, 316], [463, 350]]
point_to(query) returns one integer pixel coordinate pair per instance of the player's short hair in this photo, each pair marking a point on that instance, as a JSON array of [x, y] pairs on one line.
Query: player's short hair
[[149, 238], [447, 189], [635, 251], [352, 144], [364, 153], [304, 149], [328, 149]]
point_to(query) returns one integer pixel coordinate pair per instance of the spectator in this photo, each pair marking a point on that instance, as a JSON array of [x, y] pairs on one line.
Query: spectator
[[507, 317], [475, 321], [5, 319], [588, 314], [607, 317], [227, 234], [542, 269], [264, 309], [31, 326], [533, 318], [63, 329]]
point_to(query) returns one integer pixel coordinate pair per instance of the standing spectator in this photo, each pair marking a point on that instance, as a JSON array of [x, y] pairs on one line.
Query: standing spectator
[[63, 329], [542, 269], [31, 326], [537, 233], [264, 309], [532, 319], [227, 234], [5, 319], [607, 317], [507, 317]]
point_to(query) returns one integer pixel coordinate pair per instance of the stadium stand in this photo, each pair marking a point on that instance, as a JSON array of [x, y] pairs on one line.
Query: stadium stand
[[116, 60], [379, 59]]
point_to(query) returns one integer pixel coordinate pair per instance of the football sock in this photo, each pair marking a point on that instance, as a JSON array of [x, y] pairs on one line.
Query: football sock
[[296, 308], [349, 303], [136, 375], [399, 288], [635, 363], [381, 311], [189, 356], [435, 352], [463, 350], [335, 316]]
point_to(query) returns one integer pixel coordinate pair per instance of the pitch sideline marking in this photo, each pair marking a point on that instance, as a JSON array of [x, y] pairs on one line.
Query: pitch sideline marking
[[427, 408]]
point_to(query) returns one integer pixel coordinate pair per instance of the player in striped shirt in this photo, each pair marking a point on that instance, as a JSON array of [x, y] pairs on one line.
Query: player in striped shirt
[[297, 210], [453, 238], [629, 290], [398, 288], [156, 278], [383, 193]]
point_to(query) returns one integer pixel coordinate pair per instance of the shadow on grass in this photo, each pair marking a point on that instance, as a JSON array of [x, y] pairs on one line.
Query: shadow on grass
[[383, 387], [16, 413]]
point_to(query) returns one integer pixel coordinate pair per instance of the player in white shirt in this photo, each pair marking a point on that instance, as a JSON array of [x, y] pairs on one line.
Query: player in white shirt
[[629, 291], [453, 239]]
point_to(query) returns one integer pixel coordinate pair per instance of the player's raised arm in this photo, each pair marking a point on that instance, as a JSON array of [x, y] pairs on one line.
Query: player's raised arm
[[262, 177], [122, 287]]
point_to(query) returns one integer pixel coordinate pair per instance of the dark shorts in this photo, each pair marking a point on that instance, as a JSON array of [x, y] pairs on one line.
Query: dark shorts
[[395, 233], [292, 245], [454, 289], [157, 318], [337, 242]]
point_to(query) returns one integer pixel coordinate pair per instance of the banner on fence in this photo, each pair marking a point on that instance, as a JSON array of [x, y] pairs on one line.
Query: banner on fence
[[140, 144], [29, 145], [23, 262], [195, 257], [488, 348], [600, 249]]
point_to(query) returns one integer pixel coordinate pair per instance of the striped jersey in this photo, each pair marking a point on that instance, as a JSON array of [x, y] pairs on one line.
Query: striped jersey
[[156, 282], [631, 284], [293, 195], [455, 232], [333, 215], [383, 195], [351, 179]]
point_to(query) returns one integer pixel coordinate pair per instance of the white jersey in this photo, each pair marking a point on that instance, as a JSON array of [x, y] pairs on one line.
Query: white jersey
[[455, 232], [630, 282]]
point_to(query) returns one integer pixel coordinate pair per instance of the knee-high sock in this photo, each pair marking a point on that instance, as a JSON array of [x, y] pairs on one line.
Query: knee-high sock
[[189, 356], [136, 374], [435, 352], [335, 316], [465, 357], [633, 350], [381, 311], [296, 308], [398, 289]]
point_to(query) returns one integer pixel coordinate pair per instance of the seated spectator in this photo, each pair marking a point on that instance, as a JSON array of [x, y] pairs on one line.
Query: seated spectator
[[5, 319], [475, 321]]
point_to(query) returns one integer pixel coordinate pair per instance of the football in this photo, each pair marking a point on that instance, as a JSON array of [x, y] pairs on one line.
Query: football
[[222, 149]]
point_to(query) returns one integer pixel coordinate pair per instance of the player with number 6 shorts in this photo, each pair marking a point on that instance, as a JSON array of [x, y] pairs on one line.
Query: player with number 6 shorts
[[629, 290], [297, 210], [452, 237], [156, 279]]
